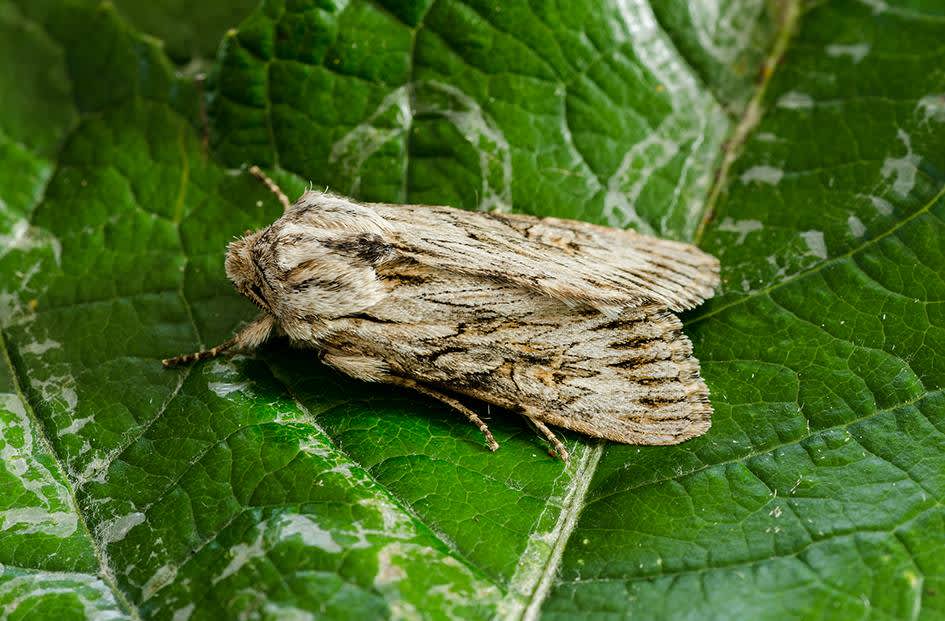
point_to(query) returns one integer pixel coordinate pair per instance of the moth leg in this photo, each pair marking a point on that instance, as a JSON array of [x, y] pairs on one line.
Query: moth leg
[[249, 337], [373, 370], [557, 445], [272, 185], [453, 403]]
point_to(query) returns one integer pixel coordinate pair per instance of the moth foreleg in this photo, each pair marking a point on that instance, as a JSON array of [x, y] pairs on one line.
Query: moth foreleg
[[272, 185], [453, 403], [249, 337], [557, 445]]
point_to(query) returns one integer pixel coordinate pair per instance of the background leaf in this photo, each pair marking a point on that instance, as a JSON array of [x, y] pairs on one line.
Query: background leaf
[[802, 145], [190, 31]]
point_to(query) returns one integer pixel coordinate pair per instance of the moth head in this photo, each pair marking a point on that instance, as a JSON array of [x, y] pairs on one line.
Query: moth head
[[241, 270]]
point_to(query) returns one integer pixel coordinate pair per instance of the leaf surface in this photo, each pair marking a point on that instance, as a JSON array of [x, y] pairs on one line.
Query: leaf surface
[[270, 486]]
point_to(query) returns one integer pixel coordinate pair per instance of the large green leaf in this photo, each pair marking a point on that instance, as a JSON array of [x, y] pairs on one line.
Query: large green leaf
[[269, 486]]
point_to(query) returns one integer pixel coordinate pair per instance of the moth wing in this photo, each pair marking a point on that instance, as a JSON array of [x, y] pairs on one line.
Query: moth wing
[[630, 378], [689, 272], [571, 261], [633, 380]]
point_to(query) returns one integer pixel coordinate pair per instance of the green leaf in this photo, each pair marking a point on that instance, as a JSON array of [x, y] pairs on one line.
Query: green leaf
[[48, 563], [724, 42], [270, 486], [818, 492], [191, 31]]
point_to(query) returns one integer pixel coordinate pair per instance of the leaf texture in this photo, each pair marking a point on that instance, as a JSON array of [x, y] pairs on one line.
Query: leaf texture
[[802, 145]]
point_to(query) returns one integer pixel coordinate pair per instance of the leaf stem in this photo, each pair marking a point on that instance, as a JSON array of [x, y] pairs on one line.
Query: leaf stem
[[790, 13]]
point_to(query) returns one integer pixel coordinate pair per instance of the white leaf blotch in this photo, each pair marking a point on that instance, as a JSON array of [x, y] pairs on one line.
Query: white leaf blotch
[[312, 535], [767, 137], [815, 243], [225, 379], [38, 348], [902, 169], [115, 529], [160, 579], [29, 520], [762, 174], [856, 52], [856, 226], [742, 227], [792, 100], [932, 108], [881, 205]]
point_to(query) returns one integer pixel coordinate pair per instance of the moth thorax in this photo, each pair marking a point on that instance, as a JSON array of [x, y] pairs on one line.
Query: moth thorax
[[241, 270], [239, 262]]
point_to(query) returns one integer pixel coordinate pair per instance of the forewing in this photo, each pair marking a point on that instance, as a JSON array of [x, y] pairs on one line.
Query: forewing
[[572, 261]]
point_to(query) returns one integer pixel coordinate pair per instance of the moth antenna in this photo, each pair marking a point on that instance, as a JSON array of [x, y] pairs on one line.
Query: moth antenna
[[249, 337], [272, 185], [204, 354]]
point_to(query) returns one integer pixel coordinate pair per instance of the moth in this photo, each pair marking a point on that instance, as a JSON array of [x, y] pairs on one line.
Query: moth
[[568, 323]]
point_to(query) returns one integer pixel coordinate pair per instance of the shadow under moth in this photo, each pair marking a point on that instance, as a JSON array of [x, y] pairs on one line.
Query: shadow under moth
[[568, 323]]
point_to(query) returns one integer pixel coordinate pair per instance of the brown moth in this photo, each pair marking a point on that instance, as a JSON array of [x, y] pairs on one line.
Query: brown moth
[[569, 323]]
